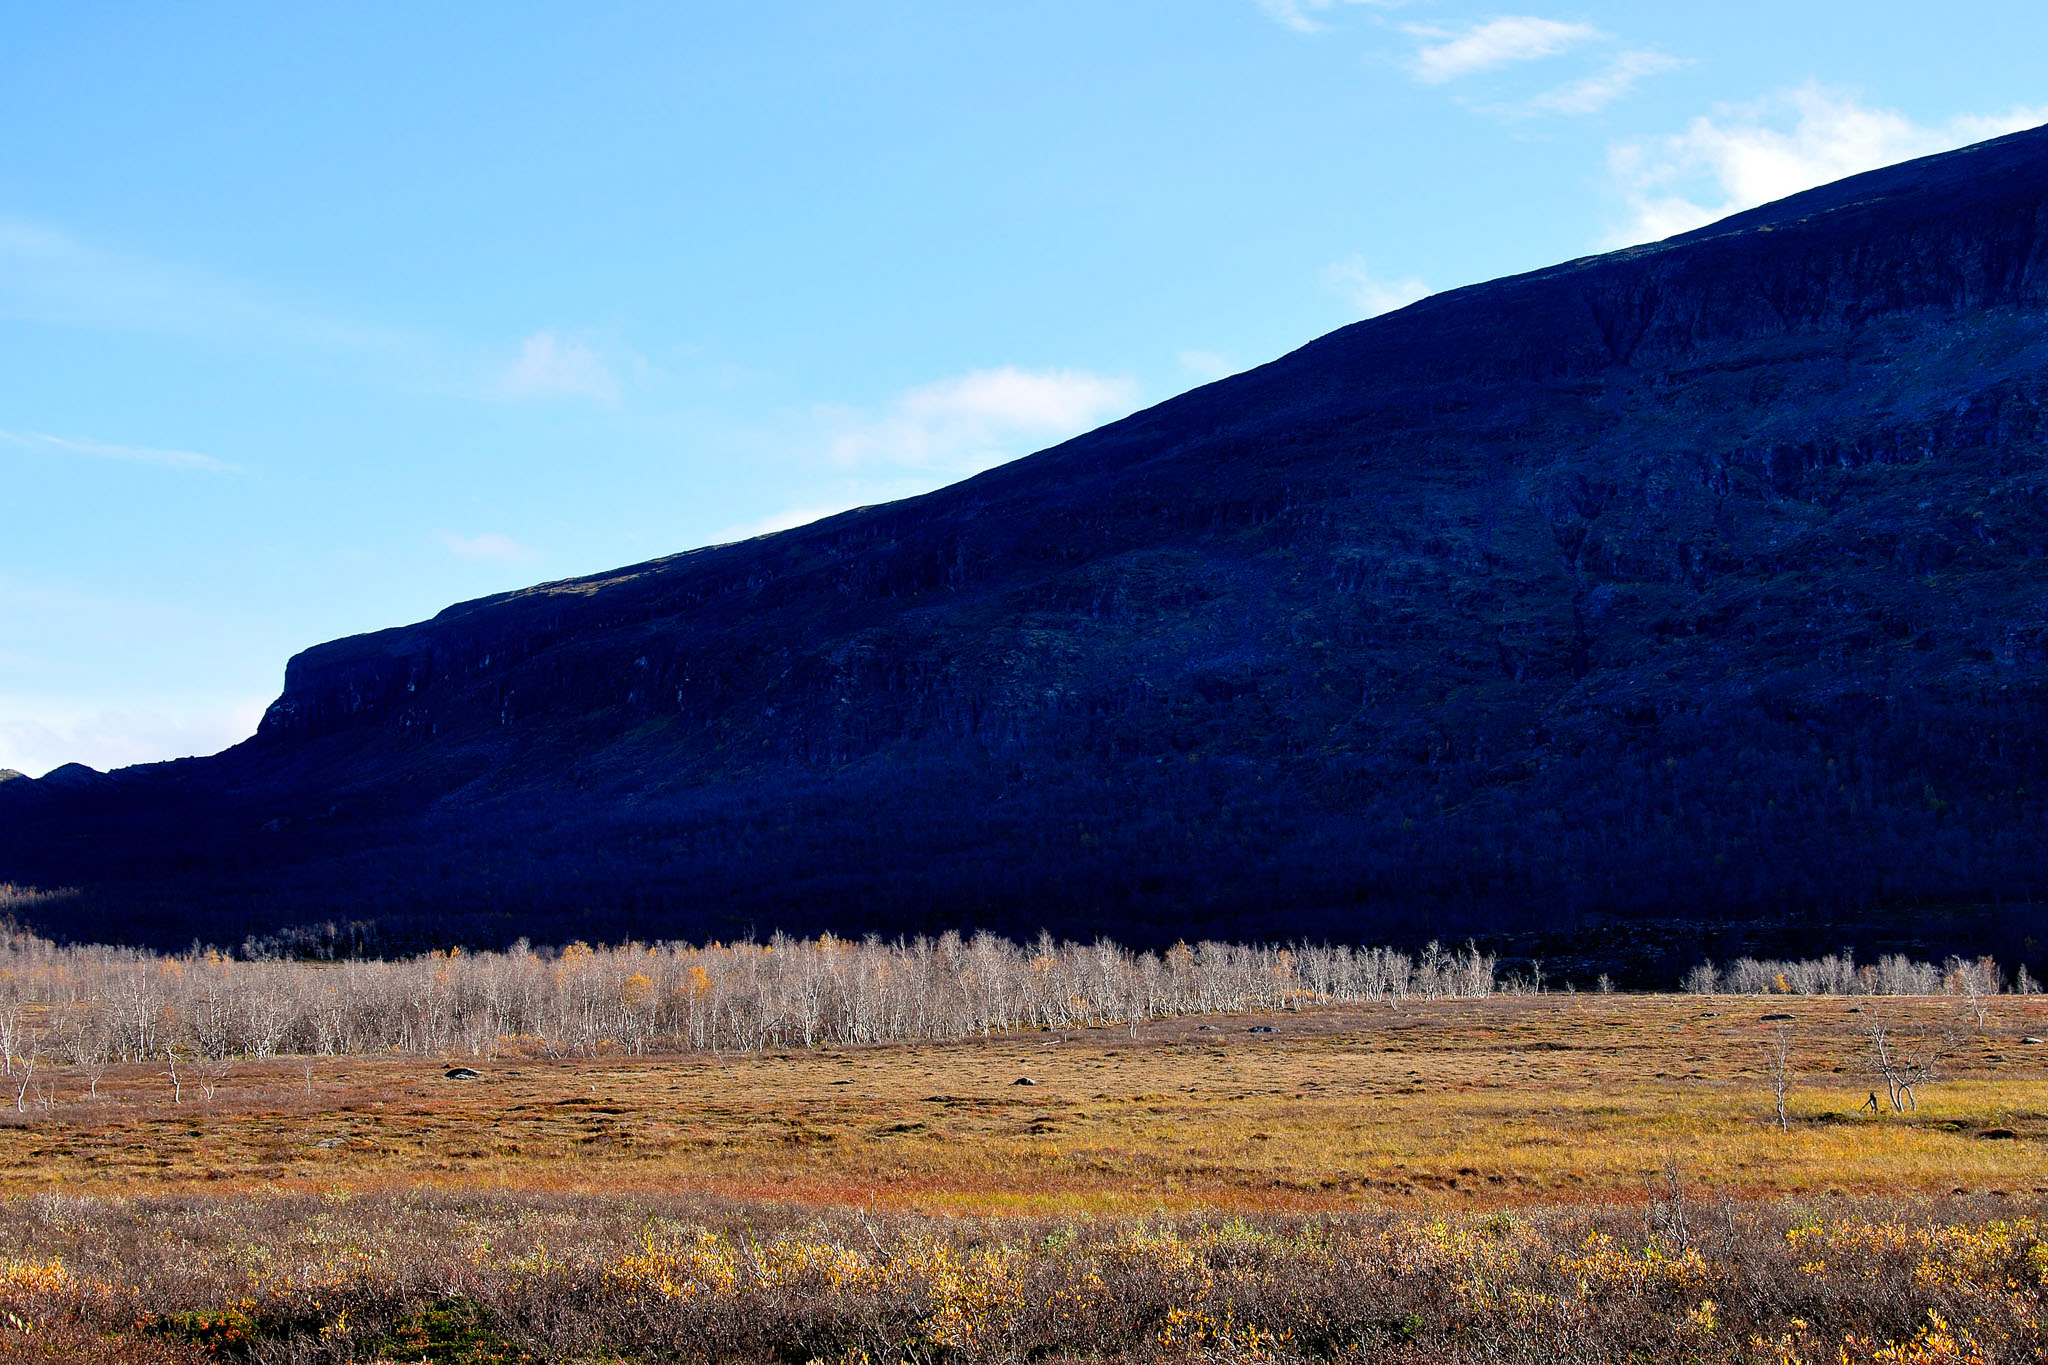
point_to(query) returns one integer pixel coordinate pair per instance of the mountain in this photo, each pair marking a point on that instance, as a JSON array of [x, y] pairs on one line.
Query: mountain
[[1674, 600]]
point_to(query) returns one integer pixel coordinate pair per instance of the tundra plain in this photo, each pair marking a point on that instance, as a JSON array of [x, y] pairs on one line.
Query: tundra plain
[[1531, 1178], [1471, 1103]]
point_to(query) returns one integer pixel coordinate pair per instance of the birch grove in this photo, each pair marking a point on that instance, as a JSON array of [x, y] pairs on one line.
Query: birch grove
[[1839, 974], [95, 1002]]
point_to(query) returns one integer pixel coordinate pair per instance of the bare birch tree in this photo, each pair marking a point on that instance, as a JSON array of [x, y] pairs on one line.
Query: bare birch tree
[[1778, 1070]]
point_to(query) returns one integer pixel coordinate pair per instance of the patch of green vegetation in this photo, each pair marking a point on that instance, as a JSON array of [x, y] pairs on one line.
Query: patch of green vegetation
[[227, 1332], [451, 1331]]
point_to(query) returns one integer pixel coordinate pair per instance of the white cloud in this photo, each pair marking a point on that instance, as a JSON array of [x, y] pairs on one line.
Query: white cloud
[[1369, 293], [38, 733], [1448, 54], [1619, 77], [1741, 156], [489, 547], [976, 420], [1206, 365], [551, 366], [785, 520], [1295, 13], [102, 450]]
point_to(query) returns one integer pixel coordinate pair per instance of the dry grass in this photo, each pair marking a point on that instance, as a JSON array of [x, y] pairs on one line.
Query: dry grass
[[1504, 1102]]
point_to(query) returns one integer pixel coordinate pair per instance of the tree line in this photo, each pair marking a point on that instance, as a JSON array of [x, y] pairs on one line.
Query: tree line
[[1839, 974], [92, 1005]]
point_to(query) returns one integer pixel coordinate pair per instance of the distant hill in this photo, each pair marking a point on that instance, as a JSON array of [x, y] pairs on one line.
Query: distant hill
[[1661, 602]]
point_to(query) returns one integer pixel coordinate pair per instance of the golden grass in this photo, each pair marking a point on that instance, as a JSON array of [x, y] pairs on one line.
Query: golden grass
[[1477, 1103]]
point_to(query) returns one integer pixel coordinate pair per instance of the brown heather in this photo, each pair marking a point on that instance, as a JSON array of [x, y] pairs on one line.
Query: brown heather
[[492, 1277]]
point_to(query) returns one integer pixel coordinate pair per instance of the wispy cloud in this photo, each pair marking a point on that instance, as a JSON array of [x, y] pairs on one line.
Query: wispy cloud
[[1456, 56], [52, 276], [1740, 156], [489, 547], [49, 275], [1372, 294], [553, 366], [1206, 365], [932, 434], [1619, 77], [103, 450], [787, 519], [1448, 54], [1298, 14], [976, 420]]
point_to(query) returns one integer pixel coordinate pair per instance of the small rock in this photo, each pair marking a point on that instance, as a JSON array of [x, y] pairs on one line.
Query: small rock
[[462, 1073], [330, 1142], [1023, 1080], [1259, 1028], [2032, 1040], [1769, 1017]]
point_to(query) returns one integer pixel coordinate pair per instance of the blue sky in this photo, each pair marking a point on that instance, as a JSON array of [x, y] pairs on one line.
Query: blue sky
[[314, 320]]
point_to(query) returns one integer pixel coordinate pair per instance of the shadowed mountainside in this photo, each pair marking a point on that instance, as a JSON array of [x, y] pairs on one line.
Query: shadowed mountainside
[[1699, 585]]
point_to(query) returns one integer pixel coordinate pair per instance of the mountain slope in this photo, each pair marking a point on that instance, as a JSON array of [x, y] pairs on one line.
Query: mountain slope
[[1698, 584]]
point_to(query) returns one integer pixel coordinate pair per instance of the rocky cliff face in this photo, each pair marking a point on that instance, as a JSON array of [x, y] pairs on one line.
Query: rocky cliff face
[[1700, 583]]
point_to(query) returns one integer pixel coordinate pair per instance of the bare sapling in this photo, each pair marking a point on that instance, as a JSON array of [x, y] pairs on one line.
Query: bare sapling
[[94, 1065], [25, 1074], [1778, 1069], [12, 1023], [1666, 1213], [1977, 982], [170, 1071], [89, 1047], [212, 1071], [1902, 1063]]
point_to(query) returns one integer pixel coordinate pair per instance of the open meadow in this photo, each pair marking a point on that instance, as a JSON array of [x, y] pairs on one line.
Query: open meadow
[[1460, 1104], [1509, 1178]]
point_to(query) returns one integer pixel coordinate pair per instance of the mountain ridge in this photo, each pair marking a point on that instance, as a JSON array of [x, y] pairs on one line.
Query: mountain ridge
[[1885, 184], [1473, 567]]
